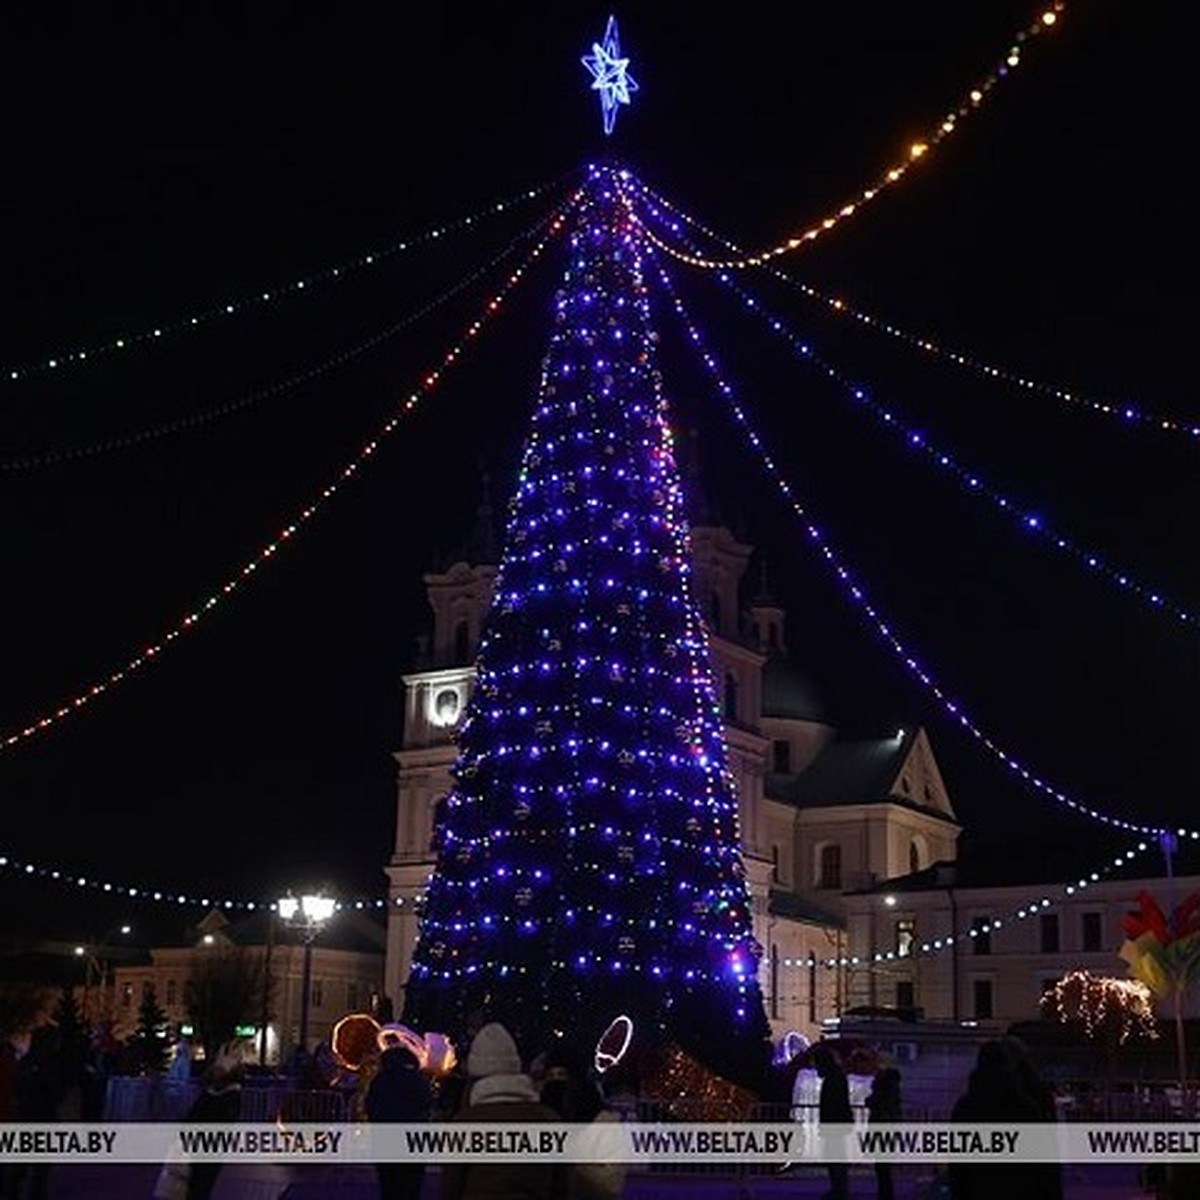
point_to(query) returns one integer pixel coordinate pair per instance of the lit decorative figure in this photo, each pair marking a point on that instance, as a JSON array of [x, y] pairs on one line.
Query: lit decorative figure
[[613, 1043], [610, 74]]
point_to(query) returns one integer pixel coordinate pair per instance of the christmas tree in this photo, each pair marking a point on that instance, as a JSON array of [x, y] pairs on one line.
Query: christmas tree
[[588, 857]]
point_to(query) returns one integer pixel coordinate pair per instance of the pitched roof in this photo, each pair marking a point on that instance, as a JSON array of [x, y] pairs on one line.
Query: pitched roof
[[797, 908], [847, 773]]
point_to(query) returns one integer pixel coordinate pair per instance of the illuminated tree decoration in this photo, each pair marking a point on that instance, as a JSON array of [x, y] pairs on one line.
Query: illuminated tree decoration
[[613, 1044], [587, 858], [610, 74], [1109, 1010]]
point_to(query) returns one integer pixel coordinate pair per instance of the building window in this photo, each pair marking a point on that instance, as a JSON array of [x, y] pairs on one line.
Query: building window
[[127, 994], [1049, 933], [775, 982], [830, 873], [774, 864], [905, 994], [914, 858], [906, 935], [352, 996], [781, 756], [731, 698], [170, 991], [981, 935], [1093, 938], [147, 988], [983, 999], [317, 995]]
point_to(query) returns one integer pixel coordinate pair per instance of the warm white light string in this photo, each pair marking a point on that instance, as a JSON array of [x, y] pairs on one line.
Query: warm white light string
[[858, 596], [203, 417], [1127, 413], [971, 480], [918, 151], [428, 381], [249, 302]]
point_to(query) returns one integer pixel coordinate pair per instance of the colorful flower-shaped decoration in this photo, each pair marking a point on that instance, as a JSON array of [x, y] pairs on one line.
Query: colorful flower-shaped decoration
[[1163, 953]]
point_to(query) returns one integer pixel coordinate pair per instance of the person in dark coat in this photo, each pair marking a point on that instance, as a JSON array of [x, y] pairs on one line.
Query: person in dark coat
[[220, 1103], [883, 1108], [39, 1089], [833, 1108], [399, 1092], [995, 1094], [1049, 1181]]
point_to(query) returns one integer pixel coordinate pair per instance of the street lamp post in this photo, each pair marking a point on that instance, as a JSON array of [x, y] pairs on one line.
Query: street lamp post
[[92, 961], [309, 912]]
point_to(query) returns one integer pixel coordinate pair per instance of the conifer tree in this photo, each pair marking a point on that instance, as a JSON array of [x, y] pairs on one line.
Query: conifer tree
[[149, 1041], [588, 856]]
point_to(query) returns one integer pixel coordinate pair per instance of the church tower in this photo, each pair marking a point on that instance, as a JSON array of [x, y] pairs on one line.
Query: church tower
[[435, 697]]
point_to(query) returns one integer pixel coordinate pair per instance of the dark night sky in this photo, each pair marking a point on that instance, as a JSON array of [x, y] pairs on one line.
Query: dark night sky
[[161, 161]]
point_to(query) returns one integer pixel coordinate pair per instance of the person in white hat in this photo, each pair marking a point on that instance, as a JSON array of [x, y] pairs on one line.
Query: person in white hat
[[501, 1091]]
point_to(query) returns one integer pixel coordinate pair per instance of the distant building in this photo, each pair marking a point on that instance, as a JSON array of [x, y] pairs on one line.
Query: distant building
[[346, 975], [850, 846], [989, 975]]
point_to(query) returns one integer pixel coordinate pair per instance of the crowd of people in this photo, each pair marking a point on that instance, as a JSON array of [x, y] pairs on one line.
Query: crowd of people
[[492, 1083]]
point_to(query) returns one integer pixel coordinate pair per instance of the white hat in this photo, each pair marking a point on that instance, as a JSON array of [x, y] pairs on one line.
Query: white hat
[[493, 1052]]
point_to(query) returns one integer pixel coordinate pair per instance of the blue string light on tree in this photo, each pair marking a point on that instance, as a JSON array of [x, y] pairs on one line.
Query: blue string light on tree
[[588, 854]]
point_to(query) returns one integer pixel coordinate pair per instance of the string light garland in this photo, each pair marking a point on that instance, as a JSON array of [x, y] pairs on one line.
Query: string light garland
[[149, 893], [250, 302], [151, 652], [1039, 902], [971, 480], [857, 594], [203, 417], [919, 151], [1129, 415]]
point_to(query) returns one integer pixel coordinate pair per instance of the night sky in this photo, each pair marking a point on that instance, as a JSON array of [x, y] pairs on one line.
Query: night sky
[[161, 162]]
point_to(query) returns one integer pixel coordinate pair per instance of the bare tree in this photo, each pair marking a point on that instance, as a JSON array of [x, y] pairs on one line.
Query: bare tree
[[224, 990]]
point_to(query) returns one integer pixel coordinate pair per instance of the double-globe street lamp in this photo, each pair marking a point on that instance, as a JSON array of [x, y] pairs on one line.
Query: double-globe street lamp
[[308, 913]]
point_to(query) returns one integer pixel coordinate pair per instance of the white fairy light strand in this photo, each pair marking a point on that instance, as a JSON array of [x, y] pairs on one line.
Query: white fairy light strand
[[1041, 901], [918, 151], [247, 303], [972, 481], [205, 416], [859, 598], [151, 894], [1129, 414], [426, 384]]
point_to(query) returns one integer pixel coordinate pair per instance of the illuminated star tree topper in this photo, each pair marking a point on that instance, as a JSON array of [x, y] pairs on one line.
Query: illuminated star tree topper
[[610, 74]]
